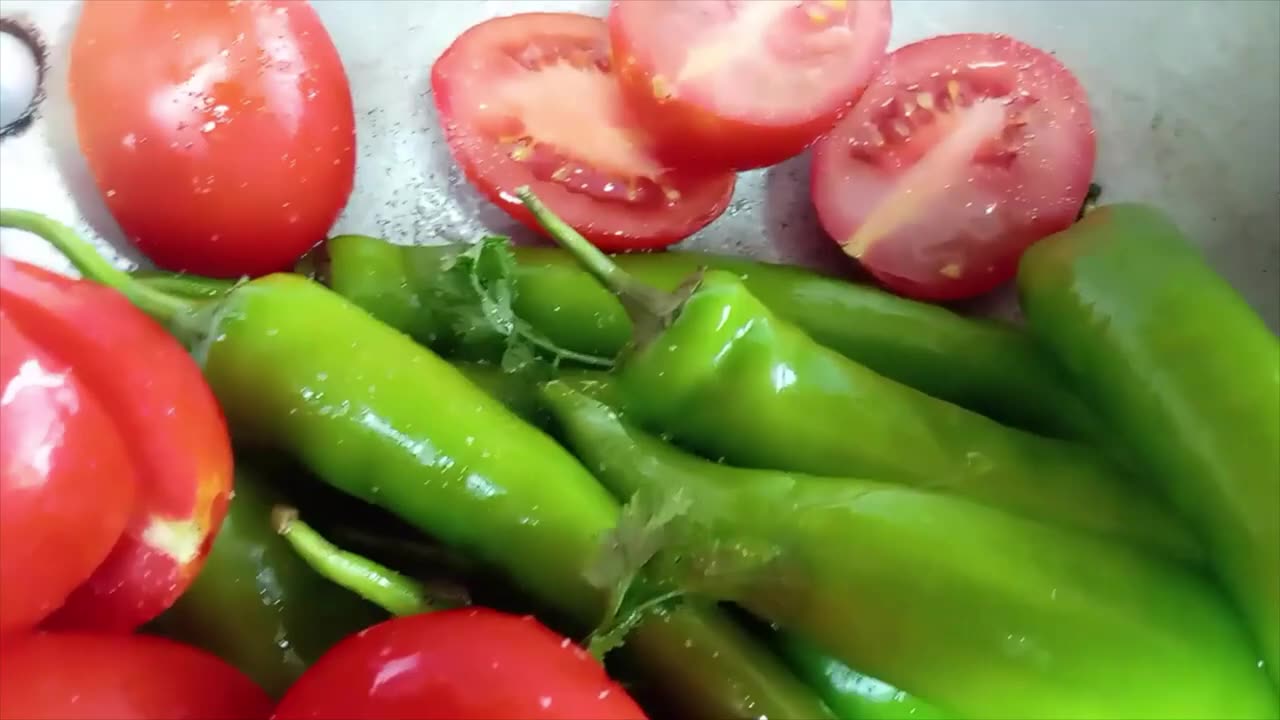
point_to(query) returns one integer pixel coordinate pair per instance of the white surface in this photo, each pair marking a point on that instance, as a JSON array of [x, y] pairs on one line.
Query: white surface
[[1186, 97]]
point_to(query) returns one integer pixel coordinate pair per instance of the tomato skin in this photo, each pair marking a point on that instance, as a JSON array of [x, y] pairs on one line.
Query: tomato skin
[[457, 665], [170, 424], [66, 484], [73, 676], [483, 93], [221, 135], [939, 202], [688, 132]]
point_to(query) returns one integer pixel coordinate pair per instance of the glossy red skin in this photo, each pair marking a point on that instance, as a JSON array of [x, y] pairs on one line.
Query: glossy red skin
[[1038, 193], [615, 224], [66, 483], [457, 665], [218, 164], [173, 430], [75, 676], [689, 133]]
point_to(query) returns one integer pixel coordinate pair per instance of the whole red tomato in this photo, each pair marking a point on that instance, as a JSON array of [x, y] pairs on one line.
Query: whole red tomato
[[169, 425], [457, 665], [57, 676], [66, 482], [221, 134]]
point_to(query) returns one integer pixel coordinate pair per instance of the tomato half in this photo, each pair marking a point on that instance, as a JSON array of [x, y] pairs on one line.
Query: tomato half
[[532, 100], [965, 150], [744, 83], [55, 676], [220, 134], [66, 483], [457, 665]]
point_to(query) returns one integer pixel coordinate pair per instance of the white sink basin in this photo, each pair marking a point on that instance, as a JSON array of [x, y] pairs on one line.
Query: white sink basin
[[1186, 98]]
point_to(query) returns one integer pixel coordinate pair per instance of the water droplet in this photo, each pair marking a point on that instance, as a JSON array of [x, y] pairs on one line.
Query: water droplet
[[208, 127]]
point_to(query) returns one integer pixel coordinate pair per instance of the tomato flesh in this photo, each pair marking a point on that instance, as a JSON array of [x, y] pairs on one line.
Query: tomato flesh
[[455, 664], [532, 100], [964, 151], [56, 676], [66, 483], [221, 134], [744, 83]]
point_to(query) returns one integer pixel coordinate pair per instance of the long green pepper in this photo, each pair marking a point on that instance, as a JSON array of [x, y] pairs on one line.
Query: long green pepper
[[982, 365], [724, 375], [1185, 372], [987, 614], [849, 694], [299, 369]]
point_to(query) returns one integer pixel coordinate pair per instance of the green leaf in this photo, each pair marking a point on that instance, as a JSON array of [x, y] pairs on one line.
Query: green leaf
[[613, 635], [645, 527], [476, 291]]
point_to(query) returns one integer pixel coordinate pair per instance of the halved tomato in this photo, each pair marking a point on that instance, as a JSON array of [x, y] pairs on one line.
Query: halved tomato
[[965, 150], [532, 100], [744, 83]]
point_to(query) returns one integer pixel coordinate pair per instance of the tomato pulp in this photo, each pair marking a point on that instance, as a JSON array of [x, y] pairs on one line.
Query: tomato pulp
[[532, 100], [221, 135], [467, 663], [964, 151], [744, 83]]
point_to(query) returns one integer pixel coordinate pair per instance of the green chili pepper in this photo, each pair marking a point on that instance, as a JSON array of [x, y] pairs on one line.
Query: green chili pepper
[[256, 604], [299, 369], [1187, 375], [717, 370], [985, 613], [519, 390], [849, 693], [983, 365]]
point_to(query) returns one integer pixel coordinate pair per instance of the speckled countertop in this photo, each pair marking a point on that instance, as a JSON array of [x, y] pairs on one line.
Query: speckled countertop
[[1186, 97]]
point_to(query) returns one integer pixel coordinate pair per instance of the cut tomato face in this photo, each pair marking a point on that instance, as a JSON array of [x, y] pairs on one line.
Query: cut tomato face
[[532, 100], [964, 151], [744, 83]]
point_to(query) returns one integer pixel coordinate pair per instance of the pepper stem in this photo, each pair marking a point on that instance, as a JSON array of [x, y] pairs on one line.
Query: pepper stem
[[177, 313], [380, 585], [182, 285], [651, 310]]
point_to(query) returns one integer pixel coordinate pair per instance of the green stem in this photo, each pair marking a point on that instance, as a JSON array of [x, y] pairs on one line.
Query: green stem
[[650, 309], [192, 287], [376, 583], [172, 311]]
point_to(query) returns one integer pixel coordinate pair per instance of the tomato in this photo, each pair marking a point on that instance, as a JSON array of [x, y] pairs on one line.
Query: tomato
[[744, 83], [73, 676], [964, 151], [66, 482], [532, 100], [168, 422], [220, 134], [457, 665]]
